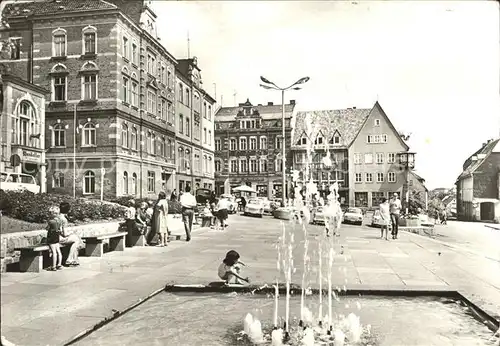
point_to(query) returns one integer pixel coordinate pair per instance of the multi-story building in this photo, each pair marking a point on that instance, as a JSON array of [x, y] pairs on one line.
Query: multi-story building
[[478, 187], [363, 148], [195, 128], [22, 125], [248, 147], [110, 115]]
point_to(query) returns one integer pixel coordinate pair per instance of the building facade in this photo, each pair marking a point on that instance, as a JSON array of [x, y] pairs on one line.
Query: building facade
[[362, 146], [22, 124], [194, 128], [478, 187], [110, 118], [248, 147]]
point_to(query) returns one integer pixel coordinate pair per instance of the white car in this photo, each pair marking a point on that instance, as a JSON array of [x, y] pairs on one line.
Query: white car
[[233, 205], [254, 206], [353, 215], [10, 181]]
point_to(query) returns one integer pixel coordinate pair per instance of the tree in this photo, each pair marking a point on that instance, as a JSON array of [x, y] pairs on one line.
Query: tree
[[416, 202]]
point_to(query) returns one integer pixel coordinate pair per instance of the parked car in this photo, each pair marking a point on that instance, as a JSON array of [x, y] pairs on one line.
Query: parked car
[[319, 216], [254, 206], [10, 181], [353, 215], [268, 205], [233, 204]]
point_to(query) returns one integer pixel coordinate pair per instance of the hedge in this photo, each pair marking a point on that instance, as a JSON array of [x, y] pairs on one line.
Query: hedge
[[27, 206], [174, 207]]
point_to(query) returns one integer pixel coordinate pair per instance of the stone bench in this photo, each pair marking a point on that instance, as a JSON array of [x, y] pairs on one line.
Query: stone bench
[[31, 259], [94, 246]]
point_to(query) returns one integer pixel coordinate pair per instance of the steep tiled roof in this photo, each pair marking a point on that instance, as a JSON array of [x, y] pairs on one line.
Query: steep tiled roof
[[51, 7], [265, 111], [347, 122], [485, 151]]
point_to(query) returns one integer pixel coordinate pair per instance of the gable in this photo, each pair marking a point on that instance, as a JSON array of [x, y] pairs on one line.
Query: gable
[[336, 138]]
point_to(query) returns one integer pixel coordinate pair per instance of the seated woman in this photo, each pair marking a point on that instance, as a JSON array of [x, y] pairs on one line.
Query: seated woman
[[141, 219], [69, 237]]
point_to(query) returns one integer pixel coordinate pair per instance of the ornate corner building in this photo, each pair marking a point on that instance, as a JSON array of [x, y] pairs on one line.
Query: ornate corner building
[[248, 147]]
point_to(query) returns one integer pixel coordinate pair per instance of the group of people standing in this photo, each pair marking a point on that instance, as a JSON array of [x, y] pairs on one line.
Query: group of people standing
[[389, 216]]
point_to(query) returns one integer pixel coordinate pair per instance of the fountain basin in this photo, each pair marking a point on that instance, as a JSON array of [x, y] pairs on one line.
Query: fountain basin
[[184, 315]]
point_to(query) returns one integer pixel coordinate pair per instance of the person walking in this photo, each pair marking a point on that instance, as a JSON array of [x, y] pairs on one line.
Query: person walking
[[395, 209], [385, 218], [188, 203], [222, 207]]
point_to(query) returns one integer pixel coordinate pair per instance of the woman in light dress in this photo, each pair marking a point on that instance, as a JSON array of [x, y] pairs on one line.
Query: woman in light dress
[[160, 219], [69, 237], [385, 218]]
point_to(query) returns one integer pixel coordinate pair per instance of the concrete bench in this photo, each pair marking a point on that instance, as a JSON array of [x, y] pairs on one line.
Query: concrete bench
[[94, 246], [31, 259]]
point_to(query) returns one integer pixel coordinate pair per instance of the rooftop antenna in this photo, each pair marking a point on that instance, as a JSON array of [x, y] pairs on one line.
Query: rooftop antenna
[[189, 51], [234, 95]]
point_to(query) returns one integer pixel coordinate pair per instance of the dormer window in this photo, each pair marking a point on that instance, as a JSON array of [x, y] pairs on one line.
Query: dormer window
[[335, 138], [319, 139], [303, 141]]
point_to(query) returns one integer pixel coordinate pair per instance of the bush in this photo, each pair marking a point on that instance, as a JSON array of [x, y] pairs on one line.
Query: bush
[[27, 206], [174, 207]]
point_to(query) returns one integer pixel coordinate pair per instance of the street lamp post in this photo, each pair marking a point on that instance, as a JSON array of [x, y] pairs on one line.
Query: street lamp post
[[270, 85], [407, 160]]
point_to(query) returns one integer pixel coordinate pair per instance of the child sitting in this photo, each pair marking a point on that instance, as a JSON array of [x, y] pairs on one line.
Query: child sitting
[[229, 269], [54, 228]]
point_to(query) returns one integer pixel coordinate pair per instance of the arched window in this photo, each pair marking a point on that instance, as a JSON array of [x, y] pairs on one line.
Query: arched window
[[58, 179], [217, 166], [58, 135], [133, 139], [89, 134], [181, 158], [209, 114], [89, 81], [149, 143], [125, 143], [170, 149], [26, 125], [134, 90], [153, 144], [187, 101], [89, 40], [134, 183], [59, 42], [263, 143], [181, 93], [187, 159], [89, 182], [125, 183], [59, 74], [163, 147], [205, 110]]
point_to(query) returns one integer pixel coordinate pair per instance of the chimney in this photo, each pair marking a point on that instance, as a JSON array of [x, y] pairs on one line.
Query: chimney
[[292, 102], [270, 104], [353, 107]]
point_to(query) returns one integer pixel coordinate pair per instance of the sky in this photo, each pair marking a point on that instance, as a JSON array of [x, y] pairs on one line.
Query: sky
[[433, 66]]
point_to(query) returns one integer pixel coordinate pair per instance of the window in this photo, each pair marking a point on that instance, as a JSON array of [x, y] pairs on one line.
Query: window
[[234, 166], [391, 177], [358, 178], [181, 94], [209, 114], [149, 143], [181, 124], [125, 183], [243, 143], [162, 147], [89, 41], [279, 165], [125, 90], [253, 166], [263, 165], [89, 182], [232, 144], [368, 158], [59, 42], [253, 143], [243, 166], [188, 127], [384, 138], [25, 124], [335, 139], [58, 179], [263, 143], [134, 184], [163, 109], [209, 137], [90, 87], [151, 64], [135, 55], [376, 122], [279, 142], [217, 166], [15, 48], [197, 130], [205, 164], [162, 73], [188, 98], [59, 85], [133, 139], [89, 134], [135, 95], [303, 141], [125, 47], [361, 199], [369, 177], [380, 177], [319, 140], [391, 158], [357, 159], [377, 198], [151, 181], [151, 101], [124, 135], [58, 136], [379, 158], [217, 145], [169, 78]]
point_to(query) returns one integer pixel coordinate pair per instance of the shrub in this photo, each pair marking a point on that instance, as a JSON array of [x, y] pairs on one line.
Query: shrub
[[174, 207], [27, 206]]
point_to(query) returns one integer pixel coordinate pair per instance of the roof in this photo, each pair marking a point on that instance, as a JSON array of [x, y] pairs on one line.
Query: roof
[[19, 81], [51, 7], [486, 151], [348, 123], [420, 179], [265, 111]]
